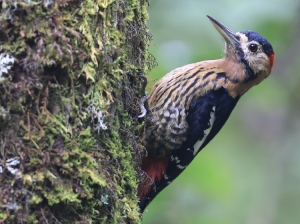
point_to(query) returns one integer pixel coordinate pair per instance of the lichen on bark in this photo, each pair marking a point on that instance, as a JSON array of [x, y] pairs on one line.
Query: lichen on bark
[[69, 94]]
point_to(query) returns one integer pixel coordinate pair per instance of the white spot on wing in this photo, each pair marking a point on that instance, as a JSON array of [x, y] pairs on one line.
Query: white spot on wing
[[206, 132], [165, 176], [176, 159], [181, 167]]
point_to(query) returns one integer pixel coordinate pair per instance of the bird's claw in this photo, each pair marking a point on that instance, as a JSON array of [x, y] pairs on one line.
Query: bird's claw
[[144, 105], [143, 109]]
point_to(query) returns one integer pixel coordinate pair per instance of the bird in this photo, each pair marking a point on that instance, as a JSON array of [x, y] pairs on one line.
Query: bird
[[189, 106]]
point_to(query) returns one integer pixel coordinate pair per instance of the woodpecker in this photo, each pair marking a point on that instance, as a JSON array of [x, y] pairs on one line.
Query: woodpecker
[[190, 104]]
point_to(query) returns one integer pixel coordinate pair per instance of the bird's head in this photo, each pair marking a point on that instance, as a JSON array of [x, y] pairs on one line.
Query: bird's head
[[249, 49]]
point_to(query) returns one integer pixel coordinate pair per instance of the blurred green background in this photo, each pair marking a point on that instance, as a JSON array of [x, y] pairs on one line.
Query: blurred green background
[[250, 172]]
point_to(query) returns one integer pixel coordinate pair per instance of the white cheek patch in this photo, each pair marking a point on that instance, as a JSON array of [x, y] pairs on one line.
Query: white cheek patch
[[206, 132], [258, 63]]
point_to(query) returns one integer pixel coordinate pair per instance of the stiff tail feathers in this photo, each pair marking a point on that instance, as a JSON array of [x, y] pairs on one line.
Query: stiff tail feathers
[[154, 167]]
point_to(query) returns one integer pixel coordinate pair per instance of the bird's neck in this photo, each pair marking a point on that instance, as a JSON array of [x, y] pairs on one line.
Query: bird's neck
[[235, 71], [237, 83]]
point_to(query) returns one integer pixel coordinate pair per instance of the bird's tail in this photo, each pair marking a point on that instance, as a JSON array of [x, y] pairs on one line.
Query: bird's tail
[[144, 202], [154, 167]]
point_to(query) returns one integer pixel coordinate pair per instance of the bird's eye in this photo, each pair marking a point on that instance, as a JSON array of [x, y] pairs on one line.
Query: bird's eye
[[253, 47]]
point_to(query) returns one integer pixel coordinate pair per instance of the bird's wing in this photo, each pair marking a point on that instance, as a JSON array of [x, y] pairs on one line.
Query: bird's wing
[[171, 100], [190, 105], [205, 118]]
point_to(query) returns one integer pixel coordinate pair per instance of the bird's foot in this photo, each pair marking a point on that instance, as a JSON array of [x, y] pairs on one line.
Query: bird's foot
[[144, 105], [143, 109]]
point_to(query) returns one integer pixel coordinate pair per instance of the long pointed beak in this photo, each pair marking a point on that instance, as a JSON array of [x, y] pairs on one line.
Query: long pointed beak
[[229, 36]]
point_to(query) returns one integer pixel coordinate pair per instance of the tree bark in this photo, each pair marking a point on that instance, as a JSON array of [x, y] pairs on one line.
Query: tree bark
[[69, 93]]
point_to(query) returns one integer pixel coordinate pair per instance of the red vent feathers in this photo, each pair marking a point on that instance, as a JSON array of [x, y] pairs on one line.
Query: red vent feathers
[[154, 166]]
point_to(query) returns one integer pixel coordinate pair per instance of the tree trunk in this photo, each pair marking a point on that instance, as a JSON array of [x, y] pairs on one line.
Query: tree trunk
[[69, 94]]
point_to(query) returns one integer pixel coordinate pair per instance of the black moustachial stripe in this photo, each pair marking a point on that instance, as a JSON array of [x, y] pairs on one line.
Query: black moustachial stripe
[[248, 70]]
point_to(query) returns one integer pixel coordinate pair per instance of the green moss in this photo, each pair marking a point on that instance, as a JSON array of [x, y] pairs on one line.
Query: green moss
[[69, 107]]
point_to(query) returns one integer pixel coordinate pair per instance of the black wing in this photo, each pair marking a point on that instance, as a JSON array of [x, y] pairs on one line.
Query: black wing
[[216, 105]]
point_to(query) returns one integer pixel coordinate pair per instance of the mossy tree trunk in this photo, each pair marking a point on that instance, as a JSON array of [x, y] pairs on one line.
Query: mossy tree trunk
[[69, 93]]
